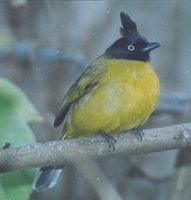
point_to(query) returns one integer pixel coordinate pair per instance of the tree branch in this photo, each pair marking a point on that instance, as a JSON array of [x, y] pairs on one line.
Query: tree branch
[[68, 151]]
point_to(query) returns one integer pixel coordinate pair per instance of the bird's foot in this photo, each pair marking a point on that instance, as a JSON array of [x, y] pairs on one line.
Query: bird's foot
[[109, 139], [139, 132]]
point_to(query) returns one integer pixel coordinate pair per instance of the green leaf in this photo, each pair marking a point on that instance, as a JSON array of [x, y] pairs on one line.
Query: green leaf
[[16, 111]]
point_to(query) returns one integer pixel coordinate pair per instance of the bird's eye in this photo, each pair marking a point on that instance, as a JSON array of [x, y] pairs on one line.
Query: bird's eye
[[131, 47]]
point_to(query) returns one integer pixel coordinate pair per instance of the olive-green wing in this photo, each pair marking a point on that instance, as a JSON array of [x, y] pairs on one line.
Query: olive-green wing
[[86, 82]]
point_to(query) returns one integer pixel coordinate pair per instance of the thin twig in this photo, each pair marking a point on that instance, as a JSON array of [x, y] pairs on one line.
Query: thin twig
[[68, 151]]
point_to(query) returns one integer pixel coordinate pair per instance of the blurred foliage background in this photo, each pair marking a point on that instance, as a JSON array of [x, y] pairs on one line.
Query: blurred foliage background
[[46, 44]]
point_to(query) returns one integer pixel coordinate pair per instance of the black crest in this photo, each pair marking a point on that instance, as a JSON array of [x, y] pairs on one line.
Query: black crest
[[129, 26], [132, 45]]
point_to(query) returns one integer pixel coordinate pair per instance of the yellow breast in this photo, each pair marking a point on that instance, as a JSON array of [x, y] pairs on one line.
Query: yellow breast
[[124, 98]]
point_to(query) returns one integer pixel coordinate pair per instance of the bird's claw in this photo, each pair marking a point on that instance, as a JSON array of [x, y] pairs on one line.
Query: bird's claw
[[110, 140], [139, 133]]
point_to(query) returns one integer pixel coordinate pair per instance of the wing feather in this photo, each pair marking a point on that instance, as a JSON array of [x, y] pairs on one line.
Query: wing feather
[[86, 82]]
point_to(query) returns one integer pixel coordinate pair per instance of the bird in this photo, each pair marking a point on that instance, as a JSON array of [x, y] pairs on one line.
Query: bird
[[116, 93]]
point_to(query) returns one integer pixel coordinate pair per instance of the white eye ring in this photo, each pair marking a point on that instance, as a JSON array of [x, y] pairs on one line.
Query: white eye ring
[[131, 47]]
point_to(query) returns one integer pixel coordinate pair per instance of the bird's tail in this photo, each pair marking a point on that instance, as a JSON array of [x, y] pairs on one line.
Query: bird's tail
[[46, 178]]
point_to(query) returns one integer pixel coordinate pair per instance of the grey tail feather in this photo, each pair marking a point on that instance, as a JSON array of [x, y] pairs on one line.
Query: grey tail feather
[[47, 178]]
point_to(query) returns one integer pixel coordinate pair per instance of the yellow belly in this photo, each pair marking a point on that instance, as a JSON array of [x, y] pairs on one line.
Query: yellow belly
[[123, 99]]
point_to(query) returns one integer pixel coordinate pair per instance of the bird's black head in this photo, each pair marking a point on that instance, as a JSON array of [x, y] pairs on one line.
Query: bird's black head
[[131, 45]]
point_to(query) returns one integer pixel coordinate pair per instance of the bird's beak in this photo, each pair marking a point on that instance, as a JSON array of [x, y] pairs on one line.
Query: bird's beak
[[151, 46]]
